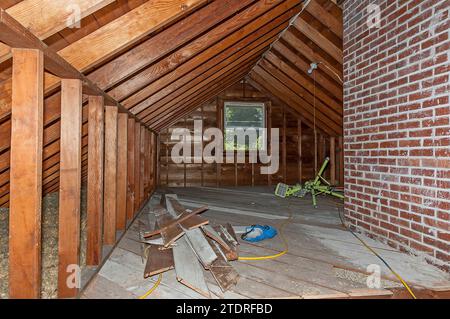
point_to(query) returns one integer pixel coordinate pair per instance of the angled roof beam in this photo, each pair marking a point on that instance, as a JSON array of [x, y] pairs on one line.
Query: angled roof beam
[[214, 86], [165, 85], [325, 17], [115, 36], [58, 15], [300, 91], [210, 70], [15, 35], [305, 82], [279, 90], [331, 86], [153, 114], [208, 95], [163, 43], [318, 38], [242, 24]]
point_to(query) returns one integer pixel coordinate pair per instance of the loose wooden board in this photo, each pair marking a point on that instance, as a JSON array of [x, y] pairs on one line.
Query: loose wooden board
[[188, 269], [201, 247], [222, 271], [158, 261]]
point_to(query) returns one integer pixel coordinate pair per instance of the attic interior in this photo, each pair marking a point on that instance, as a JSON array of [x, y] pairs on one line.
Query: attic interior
[[147, 144]]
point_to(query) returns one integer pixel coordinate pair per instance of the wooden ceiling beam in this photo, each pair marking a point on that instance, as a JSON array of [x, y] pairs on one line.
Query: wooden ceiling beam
[[326, 18], [16, 36], [277, 100], [305, 82], [313, 56], [318, 38], [58, 15], [286, 95], [164, 42], [314, 113], [301, 92], [147, 107], [198, 99], [196, 66], [154, 114], [211, 44], [335, 90], [114, 37]]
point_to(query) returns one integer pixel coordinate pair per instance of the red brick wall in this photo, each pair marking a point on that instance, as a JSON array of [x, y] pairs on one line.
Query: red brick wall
[[397, 131]]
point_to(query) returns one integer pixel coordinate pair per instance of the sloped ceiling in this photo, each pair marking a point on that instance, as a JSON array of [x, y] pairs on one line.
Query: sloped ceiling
[[161, 59]]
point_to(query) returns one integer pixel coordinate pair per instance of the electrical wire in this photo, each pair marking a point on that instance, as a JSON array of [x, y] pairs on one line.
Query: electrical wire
[[151, 290], [285, 243], [403, 282]]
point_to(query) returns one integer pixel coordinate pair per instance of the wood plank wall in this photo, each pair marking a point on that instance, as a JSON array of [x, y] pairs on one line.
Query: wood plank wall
[[296, 159]]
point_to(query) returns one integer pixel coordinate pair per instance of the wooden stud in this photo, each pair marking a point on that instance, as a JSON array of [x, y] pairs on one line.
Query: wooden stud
[[95, 181], [110, 203], [70, 188], [26, 174], [137, 167], [131, 163], [122, 182], [142, 167]]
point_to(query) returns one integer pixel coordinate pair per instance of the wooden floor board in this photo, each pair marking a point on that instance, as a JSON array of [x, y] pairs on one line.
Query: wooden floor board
[[318, 245]]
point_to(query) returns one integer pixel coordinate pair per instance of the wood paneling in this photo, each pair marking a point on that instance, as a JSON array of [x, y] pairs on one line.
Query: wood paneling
[[296, 147]]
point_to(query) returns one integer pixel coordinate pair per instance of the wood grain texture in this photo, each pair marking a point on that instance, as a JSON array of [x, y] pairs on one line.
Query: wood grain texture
[[130, 169], [95, 181], [110, 188], [137, 167], [158, 261], [69, 186], [122, 169], [58, 15], [26, 174]]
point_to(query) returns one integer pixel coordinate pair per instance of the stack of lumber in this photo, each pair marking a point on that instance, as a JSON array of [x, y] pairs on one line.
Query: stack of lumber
[[184, 241]]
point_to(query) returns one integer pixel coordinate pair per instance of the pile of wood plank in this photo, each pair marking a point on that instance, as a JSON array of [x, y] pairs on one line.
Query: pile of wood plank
[[183, 240]]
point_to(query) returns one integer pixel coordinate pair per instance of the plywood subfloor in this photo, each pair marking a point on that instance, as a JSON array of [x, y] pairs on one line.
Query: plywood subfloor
[[324, 260]]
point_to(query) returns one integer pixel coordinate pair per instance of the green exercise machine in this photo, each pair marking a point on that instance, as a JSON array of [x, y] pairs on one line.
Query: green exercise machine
[[316, 187]]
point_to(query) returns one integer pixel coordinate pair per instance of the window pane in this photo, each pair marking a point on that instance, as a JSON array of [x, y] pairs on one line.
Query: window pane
[[244, 119]]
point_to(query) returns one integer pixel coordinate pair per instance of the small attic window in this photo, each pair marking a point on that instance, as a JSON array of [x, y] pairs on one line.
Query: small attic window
[[244, 117]]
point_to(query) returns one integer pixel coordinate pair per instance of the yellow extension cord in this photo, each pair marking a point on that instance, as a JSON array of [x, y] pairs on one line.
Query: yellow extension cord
[[286, 250], [148, 293]]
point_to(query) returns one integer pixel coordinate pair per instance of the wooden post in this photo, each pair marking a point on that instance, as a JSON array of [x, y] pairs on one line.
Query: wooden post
[[142, 166], [95, 181], [131, 162], [332, 160], [153, 152], [110, 203], [26, 174], [70, 188], [146, 163], [122, 155], [137, 167]]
